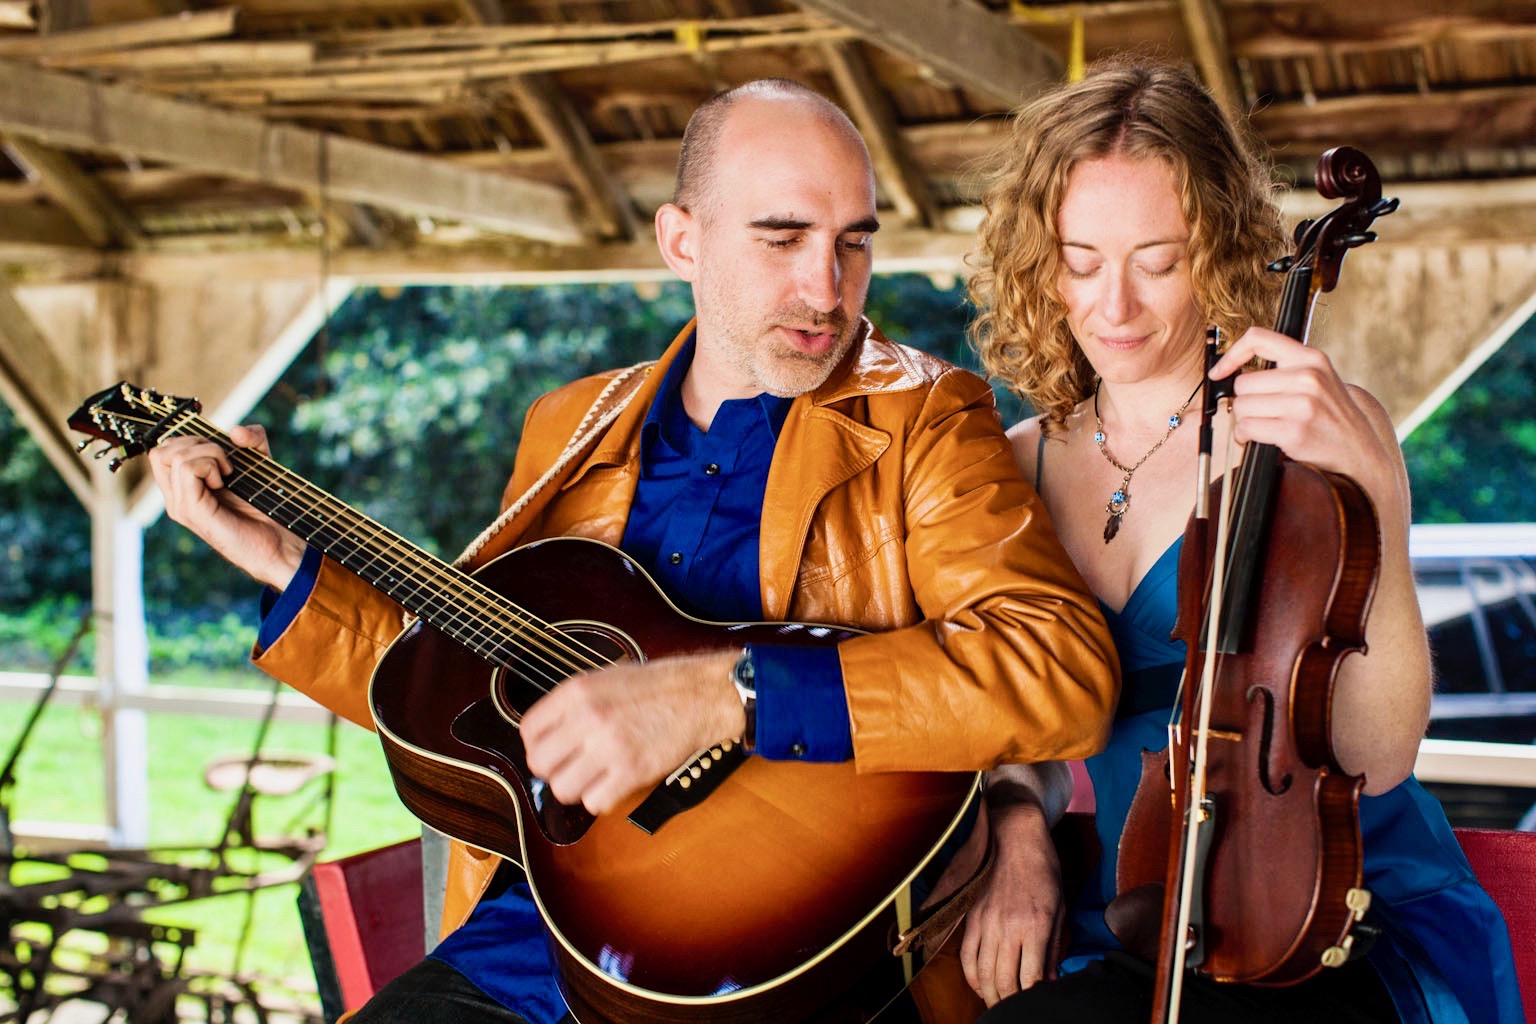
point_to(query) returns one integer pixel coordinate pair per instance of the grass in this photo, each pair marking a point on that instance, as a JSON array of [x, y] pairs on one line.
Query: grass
[[60, 779]]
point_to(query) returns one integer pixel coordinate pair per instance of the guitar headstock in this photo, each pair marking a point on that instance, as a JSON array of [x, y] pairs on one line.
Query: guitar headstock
[[130, 419]]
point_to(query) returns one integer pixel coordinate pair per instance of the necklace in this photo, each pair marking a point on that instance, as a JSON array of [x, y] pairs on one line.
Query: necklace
[[1120, 500]]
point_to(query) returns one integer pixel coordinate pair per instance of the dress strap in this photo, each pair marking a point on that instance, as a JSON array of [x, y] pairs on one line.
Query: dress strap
[[1040, 457]]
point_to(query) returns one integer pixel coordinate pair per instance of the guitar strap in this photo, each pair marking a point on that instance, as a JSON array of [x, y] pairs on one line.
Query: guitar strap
[[613, 400], [936, 923]]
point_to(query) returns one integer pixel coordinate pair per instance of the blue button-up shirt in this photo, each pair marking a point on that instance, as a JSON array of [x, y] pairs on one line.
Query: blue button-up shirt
[[695, 526]]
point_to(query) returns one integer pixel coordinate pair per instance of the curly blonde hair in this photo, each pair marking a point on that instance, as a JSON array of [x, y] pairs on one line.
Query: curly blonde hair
[[1132, 108]]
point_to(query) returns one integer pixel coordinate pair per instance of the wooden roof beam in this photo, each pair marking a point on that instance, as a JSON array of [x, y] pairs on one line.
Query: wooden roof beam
[[62, 15], [40, 225], [482, 12], [1449, 119], [31, 374], [565, 135], [71, 112], [1208, 39], [100, 216], [18, 14], [872, 111], [962, 42], [74, 37]]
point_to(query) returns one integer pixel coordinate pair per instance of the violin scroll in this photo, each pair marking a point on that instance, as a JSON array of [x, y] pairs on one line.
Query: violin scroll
[[1343, 172]]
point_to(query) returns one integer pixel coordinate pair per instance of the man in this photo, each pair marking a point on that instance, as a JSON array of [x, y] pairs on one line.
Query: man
[[781, 461]]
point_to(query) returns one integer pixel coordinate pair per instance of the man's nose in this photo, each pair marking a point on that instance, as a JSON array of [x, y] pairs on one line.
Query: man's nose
[[821, 279]]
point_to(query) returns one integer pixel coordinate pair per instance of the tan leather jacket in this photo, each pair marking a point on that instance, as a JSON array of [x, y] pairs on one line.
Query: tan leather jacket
[[893, 504]]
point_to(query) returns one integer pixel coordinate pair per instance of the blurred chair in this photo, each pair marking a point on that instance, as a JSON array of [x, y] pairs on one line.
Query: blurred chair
[[1505, 862], [364, 922]]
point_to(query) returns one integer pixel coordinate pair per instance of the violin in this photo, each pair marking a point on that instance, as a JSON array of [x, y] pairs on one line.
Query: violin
[[1241, 855]]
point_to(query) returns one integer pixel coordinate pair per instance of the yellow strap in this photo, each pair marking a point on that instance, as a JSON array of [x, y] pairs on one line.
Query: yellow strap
[[691, 35], [1057, 16]]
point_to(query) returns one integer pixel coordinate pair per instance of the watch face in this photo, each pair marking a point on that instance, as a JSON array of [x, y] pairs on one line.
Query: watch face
[[742, 674]]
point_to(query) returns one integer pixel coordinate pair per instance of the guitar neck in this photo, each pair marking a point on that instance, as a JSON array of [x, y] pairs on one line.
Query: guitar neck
[[426, 586]]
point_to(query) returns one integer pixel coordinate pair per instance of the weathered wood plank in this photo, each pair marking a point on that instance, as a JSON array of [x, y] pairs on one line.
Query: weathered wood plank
[[565, 135], [33, 383], [18, 14], [75, 39], [74, 113], [898, 173], [100, 216], [963, 42], [1208, 38]]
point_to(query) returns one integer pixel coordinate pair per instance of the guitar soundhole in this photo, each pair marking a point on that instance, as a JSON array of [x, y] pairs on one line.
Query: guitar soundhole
[[567, 649]]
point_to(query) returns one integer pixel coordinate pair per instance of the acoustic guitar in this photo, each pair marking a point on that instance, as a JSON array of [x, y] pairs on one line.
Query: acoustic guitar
[[738, 889]]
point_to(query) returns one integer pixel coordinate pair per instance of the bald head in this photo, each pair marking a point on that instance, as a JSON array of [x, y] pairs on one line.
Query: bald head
[[778, 98]]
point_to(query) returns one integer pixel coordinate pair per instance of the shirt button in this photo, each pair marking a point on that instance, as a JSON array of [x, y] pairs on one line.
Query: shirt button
[[676, 558], [712, 469], [797, 749]]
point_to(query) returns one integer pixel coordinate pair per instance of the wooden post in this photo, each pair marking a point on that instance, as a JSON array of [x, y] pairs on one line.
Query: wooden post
[[117, 590], [122, 659]]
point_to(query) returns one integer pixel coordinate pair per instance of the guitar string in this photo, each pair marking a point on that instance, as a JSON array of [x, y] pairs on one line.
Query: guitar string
[[415, 563], [564, 655]]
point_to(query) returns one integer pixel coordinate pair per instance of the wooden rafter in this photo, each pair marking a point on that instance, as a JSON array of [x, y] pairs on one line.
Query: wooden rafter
[[895, 250], [77, 38], [30, 373], [62, 15], [100, 216], [961, 41], [35, 224], [565, 135], [899, 174], [1464, 118], [18, 14], [482, 12], [1208, 39], [70, 112]]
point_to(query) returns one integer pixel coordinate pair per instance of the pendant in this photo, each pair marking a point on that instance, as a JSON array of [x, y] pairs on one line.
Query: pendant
[[1118, 503]]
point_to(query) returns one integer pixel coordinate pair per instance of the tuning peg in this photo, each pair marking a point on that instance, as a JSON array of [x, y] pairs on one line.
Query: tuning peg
[[1384, 207], [1282, 264], [83, 445], [1355, 241]]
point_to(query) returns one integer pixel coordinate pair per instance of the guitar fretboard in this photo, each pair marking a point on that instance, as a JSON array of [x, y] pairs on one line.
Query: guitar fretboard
[[440, 594]]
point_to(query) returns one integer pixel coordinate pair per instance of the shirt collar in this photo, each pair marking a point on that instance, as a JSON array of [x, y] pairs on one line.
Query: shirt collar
[[667, 421]]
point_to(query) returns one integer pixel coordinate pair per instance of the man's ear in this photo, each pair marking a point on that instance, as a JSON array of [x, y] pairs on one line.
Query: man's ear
[[677, 237]]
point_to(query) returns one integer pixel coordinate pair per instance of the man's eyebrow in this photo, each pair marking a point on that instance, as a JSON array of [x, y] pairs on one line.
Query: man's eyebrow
[[869, 225], [773, 223]]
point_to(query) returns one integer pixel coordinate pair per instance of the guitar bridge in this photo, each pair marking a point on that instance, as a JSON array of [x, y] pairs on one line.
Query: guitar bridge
[[687, 787]]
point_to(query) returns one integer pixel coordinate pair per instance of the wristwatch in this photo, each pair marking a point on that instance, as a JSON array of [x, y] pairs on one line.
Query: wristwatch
[[744, 678]]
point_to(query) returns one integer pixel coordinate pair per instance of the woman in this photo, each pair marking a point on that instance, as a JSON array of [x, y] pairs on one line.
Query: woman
[[1126, 217]]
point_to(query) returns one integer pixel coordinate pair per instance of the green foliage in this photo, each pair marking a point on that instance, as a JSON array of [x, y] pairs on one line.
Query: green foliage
[[1474, 459], [410, 407], [46, 533], [36, 637]]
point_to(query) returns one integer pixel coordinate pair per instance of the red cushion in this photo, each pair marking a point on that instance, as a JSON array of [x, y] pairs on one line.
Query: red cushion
[[1505, 862], [374, 919]]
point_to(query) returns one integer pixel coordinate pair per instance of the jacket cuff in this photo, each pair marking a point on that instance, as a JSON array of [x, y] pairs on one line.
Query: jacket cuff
[[278, 610]]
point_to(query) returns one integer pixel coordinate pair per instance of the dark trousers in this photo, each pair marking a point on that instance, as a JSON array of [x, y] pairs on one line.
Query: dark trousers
[[433, 991], [1119, 988]]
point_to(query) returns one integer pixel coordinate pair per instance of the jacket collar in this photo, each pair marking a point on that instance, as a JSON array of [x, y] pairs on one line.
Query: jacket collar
[[819, 449]]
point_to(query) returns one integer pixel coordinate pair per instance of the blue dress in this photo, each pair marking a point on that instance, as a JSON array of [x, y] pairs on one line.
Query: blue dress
[[1444, 952]]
